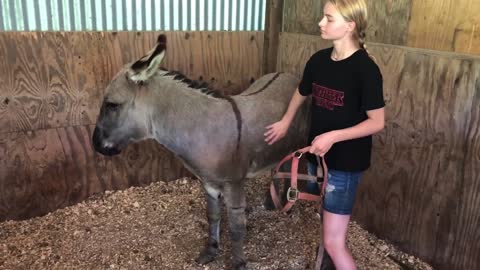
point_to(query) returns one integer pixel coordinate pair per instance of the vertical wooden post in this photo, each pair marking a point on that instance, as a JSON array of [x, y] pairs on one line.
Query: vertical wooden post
[[273, 27]]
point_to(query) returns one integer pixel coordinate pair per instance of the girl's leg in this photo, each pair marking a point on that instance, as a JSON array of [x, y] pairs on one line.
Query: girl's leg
[[334, 240]]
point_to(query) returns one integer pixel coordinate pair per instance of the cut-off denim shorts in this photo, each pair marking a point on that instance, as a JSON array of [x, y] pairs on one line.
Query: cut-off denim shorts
[[340, 190]]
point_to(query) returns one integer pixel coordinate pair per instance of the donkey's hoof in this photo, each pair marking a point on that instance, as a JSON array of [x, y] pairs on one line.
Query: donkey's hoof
[[268, 202], [206, 256], [240, 266]]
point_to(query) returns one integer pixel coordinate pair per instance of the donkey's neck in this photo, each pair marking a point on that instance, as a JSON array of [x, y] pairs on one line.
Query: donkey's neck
[[184, 119]]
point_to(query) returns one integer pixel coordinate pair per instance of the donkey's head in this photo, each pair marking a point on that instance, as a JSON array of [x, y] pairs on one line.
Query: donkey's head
[[122, 118]]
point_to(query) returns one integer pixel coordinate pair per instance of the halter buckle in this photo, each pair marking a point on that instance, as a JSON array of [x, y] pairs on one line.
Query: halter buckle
[[292, 194], [298, 154]]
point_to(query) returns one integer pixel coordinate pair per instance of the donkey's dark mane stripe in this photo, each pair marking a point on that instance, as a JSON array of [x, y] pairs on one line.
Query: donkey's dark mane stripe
[[199, 85], [265, 86], [203, 87]]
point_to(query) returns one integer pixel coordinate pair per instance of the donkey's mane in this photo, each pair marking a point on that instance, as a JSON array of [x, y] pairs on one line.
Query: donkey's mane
[[202, 86]]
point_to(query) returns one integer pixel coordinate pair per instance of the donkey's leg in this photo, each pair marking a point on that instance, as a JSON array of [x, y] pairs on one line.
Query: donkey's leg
[[235, 201], [213, 213]]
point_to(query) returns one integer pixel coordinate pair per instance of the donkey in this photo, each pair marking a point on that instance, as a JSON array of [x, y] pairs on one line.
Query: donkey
[[219, 138]]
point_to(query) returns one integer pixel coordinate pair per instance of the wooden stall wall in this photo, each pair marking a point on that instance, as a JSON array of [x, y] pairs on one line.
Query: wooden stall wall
[[423, 190], [51, 87], [447, 25]]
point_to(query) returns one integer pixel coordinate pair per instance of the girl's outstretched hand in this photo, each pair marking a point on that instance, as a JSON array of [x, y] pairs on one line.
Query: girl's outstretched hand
[[275, 132]]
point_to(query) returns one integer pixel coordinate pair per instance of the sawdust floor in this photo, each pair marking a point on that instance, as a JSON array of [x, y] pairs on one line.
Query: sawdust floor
[[164, 226]]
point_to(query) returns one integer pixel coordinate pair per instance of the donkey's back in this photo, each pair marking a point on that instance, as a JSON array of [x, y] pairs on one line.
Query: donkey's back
[[262, 104]]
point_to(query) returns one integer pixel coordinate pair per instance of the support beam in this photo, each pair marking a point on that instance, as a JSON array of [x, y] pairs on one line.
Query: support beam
[[273, 27]]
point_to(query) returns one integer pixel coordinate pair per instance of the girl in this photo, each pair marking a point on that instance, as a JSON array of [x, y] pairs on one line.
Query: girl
[[347, 108]]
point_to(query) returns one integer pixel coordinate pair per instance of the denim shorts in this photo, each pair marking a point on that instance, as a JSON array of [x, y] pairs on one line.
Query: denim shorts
[[340, 190]]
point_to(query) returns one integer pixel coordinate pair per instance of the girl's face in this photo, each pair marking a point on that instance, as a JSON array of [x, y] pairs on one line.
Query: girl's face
[[333, 26]]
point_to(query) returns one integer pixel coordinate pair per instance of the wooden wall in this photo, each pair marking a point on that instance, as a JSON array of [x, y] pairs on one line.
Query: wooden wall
[[51, 87], [423, 190], [446, 25]]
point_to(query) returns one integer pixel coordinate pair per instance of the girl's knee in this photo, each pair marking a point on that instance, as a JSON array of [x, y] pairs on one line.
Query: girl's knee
[[333, 246]]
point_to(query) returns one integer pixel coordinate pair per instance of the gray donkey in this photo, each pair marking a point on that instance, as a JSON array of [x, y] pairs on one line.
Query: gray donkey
[[219, 138]]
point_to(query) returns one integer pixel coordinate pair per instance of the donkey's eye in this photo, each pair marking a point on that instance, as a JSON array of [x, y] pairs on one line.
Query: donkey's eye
[[112, 106]]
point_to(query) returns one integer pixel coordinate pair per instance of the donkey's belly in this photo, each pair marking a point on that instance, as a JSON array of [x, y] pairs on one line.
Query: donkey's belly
[[270, 156], [257, 171], [264, 157]]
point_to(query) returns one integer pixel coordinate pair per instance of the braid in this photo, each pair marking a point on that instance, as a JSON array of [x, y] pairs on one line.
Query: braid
[[361, 42]]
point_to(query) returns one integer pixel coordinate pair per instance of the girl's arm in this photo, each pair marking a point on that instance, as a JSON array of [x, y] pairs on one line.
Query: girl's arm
[[373, 124]]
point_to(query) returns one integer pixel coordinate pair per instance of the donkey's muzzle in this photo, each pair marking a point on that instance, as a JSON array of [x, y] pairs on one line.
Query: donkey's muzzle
[[100, 145]]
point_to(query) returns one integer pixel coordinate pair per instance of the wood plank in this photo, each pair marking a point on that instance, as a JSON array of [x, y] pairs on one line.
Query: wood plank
[[387, 20], [230, 61], [273, 27], [292, 57], [53, 79], [302, 16], [445, 25], [464, 248], [48, 80], [49, 169], [419, 158], [427, 157]]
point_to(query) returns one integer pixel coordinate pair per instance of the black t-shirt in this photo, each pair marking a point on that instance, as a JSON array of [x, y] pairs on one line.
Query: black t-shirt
[[342, 91]]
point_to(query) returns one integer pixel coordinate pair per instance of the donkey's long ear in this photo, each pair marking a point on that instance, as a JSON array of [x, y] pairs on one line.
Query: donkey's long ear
[[144, 68]]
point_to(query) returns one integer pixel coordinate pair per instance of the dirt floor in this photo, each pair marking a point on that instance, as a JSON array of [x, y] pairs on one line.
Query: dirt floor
[[164, 226]]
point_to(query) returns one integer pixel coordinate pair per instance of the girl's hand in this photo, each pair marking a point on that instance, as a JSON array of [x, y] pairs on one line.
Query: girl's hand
[[322, 143], [275, 132]]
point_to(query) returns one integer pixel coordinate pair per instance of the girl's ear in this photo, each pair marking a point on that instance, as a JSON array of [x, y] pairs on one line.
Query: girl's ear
[[351, 26]]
